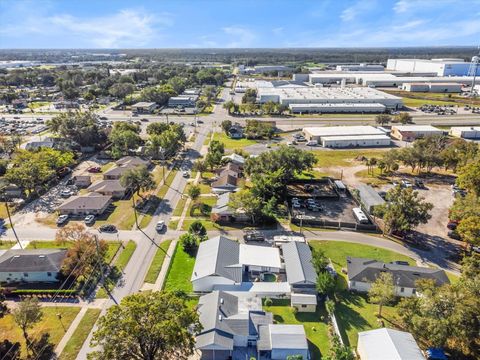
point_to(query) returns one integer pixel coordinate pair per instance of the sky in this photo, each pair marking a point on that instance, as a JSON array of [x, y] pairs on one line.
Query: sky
[[237, 24]]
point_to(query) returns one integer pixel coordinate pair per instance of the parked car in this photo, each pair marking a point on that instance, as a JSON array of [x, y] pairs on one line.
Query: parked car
[[452, 225], [144, 120], [108, 228], [253, 236], [419, 184], [199, 121], [185, 174], [103, 118], [62, 219], [89, 219], [94, 169], [66, 193], [160, 225], [452, 234], [406, 184], [312, 143], [435, 354]]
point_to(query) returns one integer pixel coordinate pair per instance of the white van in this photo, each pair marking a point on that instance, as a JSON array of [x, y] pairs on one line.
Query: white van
[[360, 216], [312, 143]]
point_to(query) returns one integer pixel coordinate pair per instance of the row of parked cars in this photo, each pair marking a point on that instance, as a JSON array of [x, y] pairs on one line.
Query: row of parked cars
[[437, 109], [310, 204]]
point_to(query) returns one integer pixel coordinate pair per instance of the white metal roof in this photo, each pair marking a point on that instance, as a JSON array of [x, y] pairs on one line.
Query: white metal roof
[[260, 256], [416, 128], [343, 130], [305, 299], [288, 337], [338, 105], [353, 137], [382, 344]]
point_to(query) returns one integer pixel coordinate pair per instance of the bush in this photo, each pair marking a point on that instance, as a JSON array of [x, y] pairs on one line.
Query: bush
[[43, 292], [189, 243], [268, 302]]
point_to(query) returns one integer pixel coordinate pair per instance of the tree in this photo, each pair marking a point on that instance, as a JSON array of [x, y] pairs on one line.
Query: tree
[[194, 192], [469, 177], [226, 126], [244, 200], [138, 179], [325, 283], [121, 90], [189, 243], [156, 128], [9, 350], [383, 119], [200, 166], [338, 351], [469, 230], [319, 260], [198, 229], [124, 137], [26, 315], [330, 307], [79, 127], [382, 291], [250, 96], [404, 210], [70, 233], [42, 348], [403, 118], [147, 326]]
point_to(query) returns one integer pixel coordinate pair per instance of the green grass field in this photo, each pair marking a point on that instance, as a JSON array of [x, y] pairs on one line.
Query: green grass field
[[157, 263], [331, 158], [50, 323], [122, 217], [80, 334], [125, 255], [48, 245], [315, 325], [6, 244], [180, 271], [353, 311], [232, 144]]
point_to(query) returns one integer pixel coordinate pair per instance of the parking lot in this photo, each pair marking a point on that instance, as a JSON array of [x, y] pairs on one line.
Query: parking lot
[[23, 126]]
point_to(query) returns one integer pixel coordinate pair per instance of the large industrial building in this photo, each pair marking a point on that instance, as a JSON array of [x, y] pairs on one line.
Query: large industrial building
[[413, 132], [342, 96], [347, 136], [465, 132], [433, 87], [441, 67], [360, 67]]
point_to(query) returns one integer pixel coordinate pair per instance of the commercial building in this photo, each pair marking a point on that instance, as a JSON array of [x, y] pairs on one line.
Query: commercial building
[[260, 69], [336, 108], [441, 67], [433, 87], [36, 265], [465, 132], [318, 133], [182, 101], [383, 344], [319, 95], [413, 132], [360, 67], [355, 141], [363, 272], [144, 107]]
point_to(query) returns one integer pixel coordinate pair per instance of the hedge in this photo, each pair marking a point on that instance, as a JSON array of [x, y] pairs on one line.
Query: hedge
[[43, 292]]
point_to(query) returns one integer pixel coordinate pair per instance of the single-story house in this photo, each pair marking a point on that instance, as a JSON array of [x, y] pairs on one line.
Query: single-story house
[[234, 158], [304, 302], [36, 265], [35, 145], [221, 261], [363, 272], [235, 132], [383, 344], [278, 341], [133, 161], [232, 169], [225, 183], [90, 204], [82, 180], [223, 212], [229, 322], [143, 107], [111, 188], [298, 265], [116, 172]]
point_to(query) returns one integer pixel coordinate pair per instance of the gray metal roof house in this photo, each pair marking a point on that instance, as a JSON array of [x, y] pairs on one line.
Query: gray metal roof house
[[298, 265], [277, 342], [363, 272], [369, 197]]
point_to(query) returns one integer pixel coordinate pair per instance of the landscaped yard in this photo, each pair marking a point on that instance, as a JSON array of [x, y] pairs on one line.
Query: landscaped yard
[[5, 244], [180, 271], [122, 217], [330, 158], [314, 323], [157, 262], [80, 334], [232, 144], [353, 312], [50, 323]]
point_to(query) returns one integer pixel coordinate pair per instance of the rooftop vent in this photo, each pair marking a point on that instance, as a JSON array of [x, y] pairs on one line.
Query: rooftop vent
[[221, 300]]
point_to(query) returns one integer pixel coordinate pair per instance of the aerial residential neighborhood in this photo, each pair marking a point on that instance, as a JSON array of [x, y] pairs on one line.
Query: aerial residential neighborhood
[[254, 180]]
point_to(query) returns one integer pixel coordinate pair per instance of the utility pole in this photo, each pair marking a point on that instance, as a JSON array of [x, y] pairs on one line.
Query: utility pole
[[102, 275], [11, 225]]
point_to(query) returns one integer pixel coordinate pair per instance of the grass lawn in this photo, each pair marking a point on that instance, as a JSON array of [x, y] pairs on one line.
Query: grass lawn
[[50, 323], [180, 206], [80, 335], [180, 271], [315, 326], [233, 144], [168, 181], [38, 104], [122, 217], [375, 178], [6, 244], [353, 312], [209, 224], [207, 201], [125, 255], [330, 158], [48, 245], [157, 262]]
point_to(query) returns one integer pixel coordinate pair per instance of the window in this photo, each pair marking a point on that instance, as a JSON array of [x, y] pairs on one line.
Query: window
[[402, 289], [353, 283], [414, 291], [304, 306], [49, 274], [25, 274]]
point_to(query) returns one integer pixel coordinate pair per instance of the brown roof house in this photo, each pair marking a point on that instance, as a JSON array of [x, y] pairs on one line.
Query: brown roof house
[[111, 188], [91, 204], [133, 161], [225, 183]]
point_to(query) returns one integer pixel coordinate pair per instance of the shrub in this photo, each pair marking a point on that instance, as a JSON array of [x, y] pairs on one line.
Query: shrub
[[268, 302]]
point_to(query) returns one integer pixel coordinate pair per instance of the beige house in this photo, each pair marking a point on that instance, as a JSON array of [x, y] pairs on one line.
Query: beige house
[[111, 188], [91, 204], [304, 302]]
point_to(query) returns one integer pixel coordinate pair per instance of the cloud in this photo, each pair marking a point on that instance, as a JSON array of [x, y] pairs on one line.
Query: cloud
[[360, 7], [240, 36], [409, 25], [277, 31]]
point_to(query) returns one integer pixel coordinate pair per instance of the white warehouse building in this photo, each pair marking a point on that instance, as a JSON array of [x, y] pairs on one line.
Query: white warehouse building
[[318, 95], [347, 136], [355, 141], [465, 132], [442, 67]]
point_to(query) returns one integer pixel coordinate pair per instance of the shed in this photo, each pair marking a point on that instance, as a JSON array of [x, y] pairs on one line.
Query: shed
[[369, 197], [304, 302]]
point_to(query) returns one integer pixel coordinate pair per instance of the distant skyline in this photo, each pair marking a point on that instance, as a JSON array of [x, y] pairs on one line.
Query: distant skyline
[[238, 24]]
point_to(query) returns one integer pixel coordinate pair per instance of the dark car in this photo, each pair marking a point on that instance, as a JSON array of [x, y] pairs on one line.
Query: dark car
[[435, 354], [253, 236], [400, 262], [452, 225], [199, 121], [103, 118], [452, 234], [94, 169], [107, 228]]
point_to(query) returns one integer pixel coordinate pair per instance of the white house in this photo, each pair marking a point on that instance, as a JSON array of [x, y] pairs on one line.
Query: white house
[[221, 261], [363, 272], [31, 266], [383, 344]]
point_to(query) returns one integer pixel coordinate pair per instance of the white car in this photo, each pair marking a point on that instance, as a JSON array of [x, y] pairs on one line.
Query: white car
[[160, 225], [185, 174], [62, 219], [89, 219], [66, 193]]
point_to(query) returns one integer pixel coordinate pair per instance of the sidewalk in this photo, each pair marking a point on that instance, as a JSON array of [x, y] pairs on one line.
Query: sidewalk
[[165, 266], [71, 329]]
